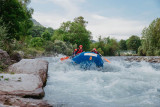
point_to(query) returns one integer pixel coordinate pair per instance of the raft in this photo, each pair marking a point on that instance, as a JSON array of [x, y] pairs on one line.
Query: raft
[[88, 58]]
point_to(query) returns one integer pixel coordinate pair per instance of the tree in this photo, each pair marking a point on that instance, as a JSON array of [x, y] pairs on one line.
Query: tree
[[151, 39], [4, 43], [36, 31], [80, 20], [46, 35], [16, 16], [122, 45], [74, 32], [133, 43], [37, 42]]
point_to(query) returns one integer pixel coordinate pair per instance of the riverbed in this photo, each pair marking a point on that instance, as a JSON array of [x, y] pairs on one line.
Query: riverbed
[[120, 83]]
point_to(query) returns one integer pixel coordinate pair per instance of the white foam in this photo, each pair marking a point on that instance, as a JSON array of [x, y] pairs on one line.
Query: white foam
[[120, 83]]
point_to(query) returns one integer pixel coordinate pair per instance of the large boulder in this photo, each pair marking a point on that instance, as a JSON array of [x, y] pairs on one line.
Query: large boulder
[[24, 85], [31, 66], [26, 79], [4, 58], [15, 56]]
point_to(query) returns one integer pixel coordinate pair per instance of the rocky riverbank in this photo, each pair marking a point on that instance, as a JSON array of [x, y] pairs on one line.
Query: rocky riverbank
[[151, 59], [22, 84]]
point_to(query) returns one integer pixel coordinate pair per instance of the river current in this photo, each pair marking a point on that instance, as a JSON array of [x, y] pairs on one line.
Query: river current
[[118, 84]]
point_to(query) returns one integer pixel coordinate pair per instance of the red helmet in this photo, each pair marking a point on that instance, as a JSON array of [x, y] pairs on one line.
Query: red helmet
[[75, 50], [80, 46], [94, 49]]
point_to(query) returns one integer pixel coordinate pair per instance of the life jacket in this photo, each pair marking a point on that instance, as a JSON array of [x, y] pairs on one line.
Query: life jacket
[[95, 52], [79, 51]]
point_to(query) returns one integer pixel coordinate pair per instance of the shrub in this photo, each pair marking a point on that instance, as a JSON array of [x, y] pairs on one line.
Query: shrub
[[150, 52], [157, 52], [37, 42]]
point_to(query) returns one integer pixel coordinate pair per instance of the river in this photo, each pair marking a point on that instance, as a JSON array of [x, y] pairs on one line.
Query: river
[[119, 84]]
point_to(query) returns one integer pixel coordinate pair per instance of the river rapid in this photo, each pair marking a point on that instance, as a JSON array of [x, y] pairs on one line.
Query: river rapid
[[119, 84]]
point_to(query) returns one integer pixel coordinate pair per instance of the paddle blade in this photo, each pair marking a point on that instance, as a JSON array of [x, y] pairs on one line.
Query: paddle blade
[[64, 58], [107, 60]]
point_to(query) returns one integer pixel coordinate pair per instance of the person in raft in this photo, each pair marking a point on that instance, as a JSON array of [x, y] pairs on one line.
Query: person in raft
[[74, 53], [79, 50], [95, 51]]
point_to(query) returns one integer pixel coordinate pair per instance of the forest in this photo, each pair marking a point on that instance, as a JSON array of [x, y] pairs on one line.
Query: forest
[[20, 33]]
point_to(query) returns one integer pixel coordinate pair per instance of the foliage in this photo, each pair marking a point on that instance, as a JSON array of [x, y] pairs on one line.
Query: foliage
[[4, 43], [133, 43], [46, 35], [106, 46], [37, 31], [151, 38], [100, 51], [16, 16], [37, 42], [74, 32], [122, 45]]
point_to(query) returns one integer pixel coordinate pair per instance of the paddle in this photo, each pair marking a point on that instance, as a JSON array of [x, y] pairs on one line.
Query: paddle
[[64, 58], [107, 60]]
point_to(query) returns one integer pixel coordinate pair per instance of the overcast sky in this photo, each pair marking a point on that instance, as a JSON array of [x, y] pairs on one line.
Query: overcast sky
[[115, 18]]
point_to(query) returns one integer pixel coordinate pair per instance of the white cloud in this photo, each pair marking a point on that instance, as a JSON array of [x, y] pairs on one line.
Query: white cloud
[[98, 25]]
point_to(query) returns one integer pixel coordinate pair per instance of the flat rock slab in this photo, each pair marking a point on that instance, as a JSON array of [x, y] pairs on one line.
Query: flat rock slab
[[31, 66], [13, 101], [25, 85], [25, 80]]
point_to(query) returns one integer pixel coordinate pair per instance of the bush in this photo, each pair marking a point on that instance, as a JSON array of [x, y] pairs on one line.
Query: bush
[[150, 52], [157, 52], [59, 47], [141, 51], [49, 46], [100, 51], [37, 42], [5, 44], [30, 52]]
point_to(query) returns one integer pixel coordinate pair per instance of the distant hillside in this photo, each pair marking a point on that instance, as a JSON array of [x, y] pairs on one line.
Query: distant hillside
[[35, 22], [93, 41]]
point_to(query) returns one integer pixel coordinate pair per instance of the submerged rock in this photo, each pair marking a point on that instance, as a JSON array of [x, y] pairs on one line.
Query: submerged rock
[[14, 101]]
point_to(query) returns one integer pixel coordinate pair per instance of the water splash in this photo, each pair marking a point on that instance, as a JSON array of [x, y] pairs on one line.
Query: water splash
[[120, 83]]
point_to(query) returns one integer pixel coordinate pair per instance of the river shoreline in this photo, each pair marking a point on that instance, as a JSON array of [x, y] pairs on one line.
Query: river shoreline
[[151, 59]]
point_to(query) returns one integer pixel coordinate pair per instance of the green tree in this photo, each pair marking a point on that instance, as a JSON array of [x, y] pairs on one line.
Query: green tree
[[37, 31], [151, 39], [74, 32], [46, 35], [122, 45], [16, 16], [37, 42], [133, 43], [4, 43]]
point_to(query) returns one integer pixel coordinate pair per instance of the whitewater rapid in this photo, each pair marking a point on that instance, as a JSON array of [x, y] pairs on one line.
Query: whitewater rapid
[[119, 84]]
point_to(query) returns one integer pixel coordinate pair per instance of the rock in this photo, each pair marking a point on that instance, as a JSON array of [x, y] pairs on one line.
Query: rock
[[24, 85], [4, 58], [14, 101], [16, 56], [26, 80], [31, 66], [151, 59]]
